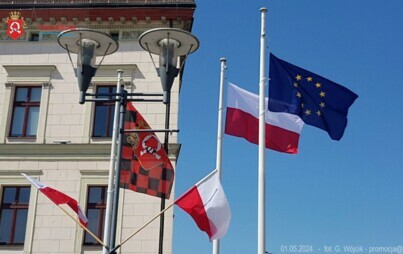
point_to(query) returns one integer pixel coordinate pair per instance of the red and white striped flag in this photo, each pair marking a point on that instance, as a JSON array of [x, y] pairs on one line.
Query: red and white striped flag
[[59, 198], [282, 129], [207, 204]]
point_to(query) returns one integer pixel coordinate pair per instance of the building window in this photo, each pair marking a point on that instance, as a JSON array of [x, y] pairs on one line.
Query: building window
[[104, 113], [96, 205], [115, 35], [24, 122], [131, 35], [34, 36], [13, 214]]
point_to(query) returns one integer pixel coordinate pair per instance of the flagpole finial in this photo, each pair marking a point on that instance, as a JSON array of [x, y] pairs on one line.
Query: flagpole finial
[[223, 61], [263, 9]]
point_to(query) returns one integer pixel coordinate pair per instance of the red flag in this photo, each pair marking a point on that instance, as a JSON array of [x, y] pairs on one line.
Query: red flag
[[146, 167], [59, 198]]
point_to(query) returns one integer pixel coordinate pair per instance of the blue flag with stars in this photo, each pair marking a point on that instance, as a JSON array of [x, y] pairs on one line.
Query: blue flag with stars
[[318, 101]]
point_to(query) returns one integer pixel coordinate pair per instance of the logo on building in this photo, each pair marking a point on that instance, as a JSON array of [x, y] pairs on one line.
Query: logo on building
[[16, 25]]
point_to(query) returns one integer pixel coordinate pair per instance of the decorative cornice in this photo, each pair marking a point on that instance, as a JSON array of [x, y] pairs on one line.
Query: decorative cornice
[[128, 85], [16, 172], [47, 85], [31, 151], [9, 84], [56, 4], [53, 151], [104, 18], [91, 172], [29, 74]]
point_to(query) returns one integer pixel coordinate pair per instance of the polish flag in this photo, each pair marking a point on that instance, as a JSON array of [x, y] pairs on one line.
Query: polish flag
[[207, 204], [59, 198], [242, 120]]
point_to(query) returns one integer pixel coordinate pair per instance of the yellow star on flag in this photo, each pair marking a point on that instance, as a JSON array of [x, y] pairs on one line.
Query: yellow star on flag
[[318, 113], [322, 104], [322, 94], [299, 95], [309, 79], [298, 77], [318, 85], [307, 112]]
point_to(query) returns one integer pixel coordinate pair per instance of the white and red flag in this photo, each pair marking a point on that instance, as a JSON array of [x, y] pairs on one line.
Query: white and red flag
[[207, 204], [59, 198], [242, 120]]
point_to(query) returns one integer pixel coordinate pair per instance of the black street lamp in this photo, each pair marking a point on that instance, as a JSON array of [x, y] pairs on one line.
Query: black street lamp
[[169, 44]]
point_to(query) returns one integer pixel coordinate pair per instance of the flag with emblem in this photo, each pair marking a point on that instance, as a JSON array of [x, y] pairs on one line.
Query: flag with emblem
[[318, 101], [146, 167]]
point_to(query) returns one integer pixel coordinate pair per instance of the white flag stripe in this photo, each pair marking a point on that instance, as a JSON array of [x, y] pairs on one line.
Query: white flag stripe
[[249, 102], [216, 205]]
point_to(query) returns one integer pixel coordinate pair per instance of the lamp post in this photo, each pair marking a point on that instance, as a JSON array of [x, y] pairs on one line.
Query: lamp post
[[88, 44], [169, 44]]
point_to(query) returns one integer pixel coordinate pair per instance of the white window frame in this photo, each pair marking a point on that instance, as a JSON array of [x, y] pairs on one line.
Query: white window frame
[[14, 178], [88, 178]]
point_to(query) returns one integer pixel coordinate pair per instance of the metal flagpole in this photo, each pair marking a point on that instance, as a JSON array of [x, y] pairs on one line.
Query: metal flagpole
[[114, 217], [115, 132], [216, 243], [261, 215]]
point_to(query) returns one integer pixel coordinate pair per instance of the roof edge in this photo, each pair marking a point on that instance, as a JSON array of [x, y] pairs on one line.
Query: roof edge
[[95, 5]]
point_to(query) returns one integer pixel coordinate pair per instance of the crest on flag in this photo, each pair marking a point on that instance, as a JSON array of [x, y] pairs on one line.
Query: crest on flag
[[145, 145], [15, 25]]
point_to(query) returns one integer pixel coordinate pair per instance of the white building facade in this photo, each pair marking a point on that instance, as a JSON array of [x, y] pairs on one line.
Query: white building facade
[[47, 134]]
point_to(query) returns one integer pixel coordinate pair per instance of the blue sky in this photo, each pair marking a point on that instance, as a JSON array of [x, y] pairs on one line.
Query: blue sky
[[332, 193]]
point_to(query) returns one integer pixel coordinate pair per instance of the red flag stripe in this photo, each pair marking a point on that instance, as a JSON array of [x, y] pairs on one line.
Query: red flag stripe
[[59, 198], [244, 125], [207, 203], [192, 203], [242, 120]]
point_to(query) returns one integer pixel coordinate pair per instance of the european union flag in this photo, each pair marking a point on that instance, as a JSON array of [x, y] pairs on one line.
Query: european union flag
[[318, 101]]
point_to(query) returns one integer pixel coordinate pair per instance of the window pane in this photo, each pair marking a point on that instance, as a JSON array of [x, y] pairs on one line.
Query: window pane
[[101, 113], [34, 37], [24, 195], [113, 90], [6, 219], [111, 115], [95, 195], [18, 121], [103, 89], [93, 218], [32, 124], [20, 225], [36, 94], [9, 195], [115, 36], [22, 94]]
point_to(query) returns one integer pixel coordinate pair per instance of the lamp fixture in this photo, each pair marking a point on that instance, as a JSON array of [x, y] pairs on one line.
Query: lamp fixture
[[169, 44], [88, 44]]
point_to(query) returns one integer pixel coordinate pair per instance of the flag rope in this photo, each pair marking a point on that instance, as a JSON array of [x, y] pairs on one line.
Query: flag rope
[[82, 226], [142, 227]]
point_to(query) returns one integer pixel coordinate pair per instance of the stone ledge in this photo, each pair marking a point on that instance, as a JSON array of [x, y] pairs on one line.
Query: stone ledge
[[65, 151]]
